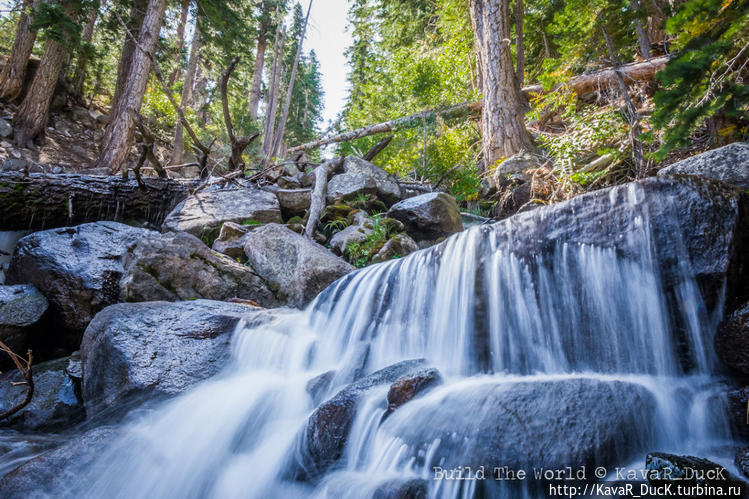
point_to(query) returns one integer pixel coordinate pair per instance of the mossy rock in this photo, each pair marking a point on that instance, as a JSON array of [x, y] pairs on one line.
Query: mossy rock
[[337, 212], [294, 220]]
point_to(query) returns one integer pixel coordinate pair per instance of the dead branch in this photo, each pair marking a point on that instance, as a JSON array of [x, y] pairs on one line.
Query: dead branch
[[319, 192], [238, 144], [638, 71], [24, 367], [147, 143], [377, 148]]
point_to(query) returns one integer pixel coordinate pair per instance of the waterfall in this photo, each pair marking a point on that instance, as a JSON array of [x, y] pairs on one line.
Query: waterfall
[[498, 324]]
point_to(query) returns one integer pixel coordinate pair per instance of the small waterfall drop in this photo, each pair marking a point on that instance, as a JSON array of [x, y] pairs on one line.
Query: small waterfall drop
[[490, 319]]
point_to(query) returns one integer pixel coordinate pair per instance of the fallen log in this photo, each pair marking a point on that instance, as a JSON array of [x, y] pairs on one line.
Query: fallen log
[[44, 201], [638, 71]]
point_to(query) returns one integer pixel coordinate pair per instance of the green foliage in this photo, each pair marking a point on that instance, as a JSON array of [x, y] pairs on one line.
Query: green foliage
[[708, 75], [251, 222], [360, 254]]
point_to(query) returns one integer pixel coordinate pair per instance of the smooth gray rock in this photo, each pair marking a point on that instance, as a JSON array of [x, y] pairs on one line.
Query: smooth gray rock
[[157, 348], [294, 267], [428, 217], [550, 424], [513, 171], [21, 308], [397, 246], [324, 437], [6, 130], [56, 402], [203, 214], [361, 177], [77, 268], [728, 164], [178, 266], [294, 201], [229, 241], [58, 469]]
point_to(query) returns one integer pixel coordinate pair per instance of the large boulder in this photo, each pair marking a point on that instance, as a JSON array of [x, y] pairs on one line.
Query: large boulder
[[59, 469], [361, 177], [77, 268], [356, 232], [732, 340], [516, 169], [397, 246], [543, 424], [56, 403], [21, 308], [428, 217], [178, 266], [157, 348], [296, 268], [294, 202], [729, 164], [230, 242], [203, 214], [323, 439]]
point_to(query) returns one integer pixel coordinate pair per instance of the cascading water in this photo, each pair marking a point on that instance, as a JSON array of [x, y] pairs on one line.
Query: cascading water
[[498, 325]]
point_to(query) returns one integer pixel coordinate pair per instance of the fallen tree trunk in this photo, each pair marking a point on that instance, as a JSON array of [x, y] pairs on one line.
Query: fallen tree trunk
[[638, 71], [319, 192], [44, 201]]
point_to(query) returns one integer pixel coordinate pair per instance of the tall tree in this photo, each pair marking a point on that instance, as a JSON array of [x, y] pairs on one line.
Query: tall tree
[[266, 23], [119, 136], [31, 116], [14, 72], [502, 121], [186, 99], [184, 12], [84, 51]]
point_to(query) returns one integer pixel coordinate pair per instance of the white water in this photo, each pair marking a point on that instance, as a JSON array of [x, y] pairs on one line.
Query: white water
[[578, 311]]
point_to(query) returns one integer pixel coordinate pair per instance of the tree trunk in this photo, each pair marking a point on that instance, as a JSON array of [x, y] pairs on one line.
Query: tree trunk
[[519, 41], [31, 116], [186, 99], [134, 23], [270, 115], [278, 135], [502, 121], [80, 69], [44, 201], [257, 75], [642, 35], [180, 42], [14, 72], [119, 136]]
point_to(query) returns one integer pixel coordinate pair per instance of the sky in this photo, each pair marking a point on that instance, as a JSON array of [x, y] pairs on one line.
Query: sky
[[327, 35]]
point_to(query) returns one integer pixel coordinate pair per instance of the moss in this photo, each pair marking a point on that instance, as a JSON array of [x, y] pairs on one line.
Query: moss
[[294, 220], [250, 222]]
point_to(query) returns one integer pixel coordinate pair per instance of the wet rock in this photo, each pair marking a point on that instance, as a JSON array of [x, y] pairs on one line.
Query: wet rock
[[77, 268], [728, 164], [429, 216], [56, 402], [742, 461], [736, 402], [21, 308], [230, 242], [326, 432], [361, 177], [469, 219], [318, 386], [689, 471], [397, 246], [57, 469], [732, 340], [527, 424], [294, 201], [178, 266], [157, 348], [294, 267], [415, 488], [6, 130], [203, 214], [408, 387]]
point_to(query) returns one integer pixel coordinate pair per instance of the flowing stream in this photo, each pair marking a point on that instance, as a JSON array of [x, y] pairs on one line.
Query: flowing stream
[[486, 318]]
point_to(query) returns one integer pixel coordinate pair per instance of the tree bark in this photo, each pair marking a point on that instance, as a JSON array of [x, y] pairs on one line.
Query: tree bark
[[278, 135], [14, 72], [134, 23], [80, 69], [270, 115], [31, 116], [642, 35], [180, 42], [186, 98], [319, 192], [502, 120], [119, 136], [238, 144], [520, 41], [257, 75], [45, 201]]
